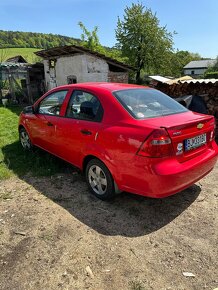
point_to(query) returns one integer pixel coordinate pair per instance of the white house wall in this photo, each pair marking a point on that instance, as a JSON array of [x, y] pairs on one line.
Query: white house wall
[[50, 78], [86, 68], [199, 71]]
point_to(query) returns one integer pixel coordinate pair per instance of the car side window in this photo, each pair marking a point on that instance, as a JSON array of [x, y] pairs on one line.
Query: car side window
[[51, 105], [84, 106]]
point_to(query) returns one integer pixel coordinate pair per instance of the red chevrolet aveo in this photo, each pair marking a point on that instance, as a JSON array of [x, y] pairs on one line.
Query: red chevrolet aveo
[[123, 137]]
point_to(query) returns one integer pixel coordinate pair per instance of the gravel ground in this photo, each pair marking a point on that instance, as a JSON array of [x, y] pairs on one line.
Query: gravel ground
[[55, 235]]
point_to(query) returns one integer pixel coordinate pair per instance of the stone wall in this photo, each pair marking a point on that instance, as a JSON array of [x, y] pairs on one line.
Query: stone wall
[[118, 77]]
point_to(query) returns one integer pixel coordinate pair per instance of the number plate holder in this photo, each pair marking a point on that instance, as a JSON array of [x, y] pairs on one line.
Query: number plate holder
[[195, 142]]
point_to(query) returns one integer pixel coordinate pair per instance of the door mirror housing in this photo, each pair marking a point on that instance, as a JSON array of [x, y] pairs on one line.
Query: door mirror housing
[[29, 110]]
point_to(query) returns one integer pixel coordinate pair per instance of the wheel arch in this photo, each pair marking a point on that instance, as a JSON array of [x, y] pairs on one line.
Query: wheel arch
[[20, 127], [89, 158]]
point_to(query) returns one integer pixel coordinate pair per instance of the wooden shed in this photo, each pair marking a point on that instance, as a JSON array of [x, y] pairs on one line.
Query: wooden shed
[[76, 64]]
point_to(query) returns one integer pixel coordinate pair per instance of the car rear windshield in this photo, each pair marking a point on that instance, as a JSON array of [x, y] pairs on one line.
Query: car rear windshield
[[148, 103]]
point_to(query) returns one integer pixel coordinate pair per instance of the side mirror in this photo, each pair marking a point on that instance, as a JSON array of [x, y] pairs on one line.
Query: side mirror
[[28, 110]]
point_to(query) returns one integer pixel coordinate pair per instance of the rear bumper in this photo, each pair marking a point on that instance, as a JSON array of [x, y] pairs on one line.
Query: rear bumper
[[161, 179]]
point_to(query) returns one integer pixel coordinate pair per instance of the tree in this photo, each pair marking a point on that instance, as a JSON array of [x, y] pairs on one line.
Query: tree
[[90, 39], [179, 59], [212, 71], [143, 40], [214, 67]]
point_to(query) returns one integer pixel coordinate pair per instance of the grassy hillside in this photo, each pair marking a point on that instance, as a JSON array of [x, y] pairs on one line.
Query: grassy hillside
[[14, 43], [32, 39], [27, 53]]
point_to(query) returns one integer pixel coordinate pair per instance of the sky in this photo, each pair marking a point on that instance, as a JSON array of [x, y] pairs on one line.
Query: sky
[[194, 21]]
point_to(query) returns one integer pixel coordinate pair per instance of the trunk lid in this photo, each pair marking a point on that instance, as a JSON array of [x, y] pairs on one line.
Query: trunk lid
[[190, 132]]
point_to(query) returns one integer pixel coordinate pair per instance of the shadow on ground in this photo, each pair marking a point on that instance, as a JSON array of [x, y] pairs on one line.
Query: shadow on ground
[[127, 215]]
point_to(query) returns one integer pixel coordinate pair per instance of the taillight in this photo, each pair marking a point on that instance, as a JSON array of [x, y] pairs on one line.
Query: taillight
[[211, 134], [158, 144]]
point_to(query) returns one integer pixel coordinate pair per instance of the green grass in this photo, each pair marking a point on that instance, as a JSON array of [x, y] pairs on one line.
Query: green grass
[[27, 53], [14, 160]]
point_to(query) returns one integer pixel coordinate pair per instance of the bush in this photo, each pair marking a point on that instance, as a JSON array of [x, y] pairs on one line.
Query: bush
[[211, 75]]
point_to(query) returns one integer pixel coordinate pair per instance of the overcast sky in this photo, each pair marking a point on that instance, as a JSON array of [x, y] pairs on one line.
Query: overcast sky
[[195, 21]]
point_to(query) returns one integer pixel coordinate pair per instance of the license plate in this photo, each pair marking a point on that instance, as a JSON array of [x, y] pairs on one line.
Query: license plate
[[195, 142]]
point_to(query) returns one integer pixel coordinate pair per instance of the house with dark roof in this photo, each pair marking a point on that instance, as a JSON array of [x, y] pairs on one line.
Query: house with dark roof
[[76, 64], [17, 59], [197, 68]]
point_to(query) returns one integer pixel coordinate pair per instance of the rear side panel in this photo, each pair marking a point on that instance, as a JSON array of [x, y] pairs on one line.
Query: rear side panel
[[192, 139], [160, 177]]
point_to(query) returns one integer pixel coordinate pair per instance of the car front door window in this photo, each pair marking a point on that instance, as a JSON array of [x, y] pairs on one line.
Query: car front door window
[[51, 105]]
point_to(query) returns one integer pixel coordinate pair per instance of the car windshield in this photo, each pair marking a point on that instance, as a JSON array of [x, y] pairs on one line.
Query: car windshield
[[148, 103]]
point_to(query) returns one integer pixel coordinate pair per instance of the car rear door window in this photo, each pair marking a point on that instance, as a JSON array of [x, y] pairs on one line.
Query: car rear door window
[[51, 105], [84, 106]]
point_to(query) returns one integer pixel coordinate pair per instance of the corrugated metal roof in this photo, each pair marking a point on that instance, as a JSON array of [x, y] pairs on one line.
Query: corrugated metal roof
[[74, 49], [159, 79], [9, 64], [175, 81], [200, 81], [200, 63]]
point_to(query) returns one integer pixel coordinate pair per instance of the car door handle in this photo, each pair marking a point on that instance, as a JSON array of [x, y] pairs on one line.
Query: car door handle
[[49, 124], [86, 132]]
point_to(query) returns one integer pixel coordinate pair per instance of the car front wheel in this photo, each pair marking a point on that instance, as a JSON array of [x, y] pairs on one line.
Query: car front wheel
[[100, 180], [25, 139]]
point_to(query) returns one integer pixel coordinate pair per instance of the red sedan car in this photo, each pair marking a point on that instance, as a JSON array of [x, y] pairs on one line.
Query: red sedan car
[[124, 137]]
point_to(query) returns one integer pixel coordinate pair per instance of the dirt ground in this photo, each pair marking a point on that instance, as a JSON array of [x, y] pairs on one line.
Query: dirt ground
[[55, 235]]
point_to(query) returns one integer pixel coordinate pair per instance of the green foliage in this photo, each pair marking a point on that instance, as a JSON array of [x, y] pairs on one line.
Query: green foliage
[[177, 60], [143, 40], [91, 41], [90, 38], [23, 43], [212, 69], [33, 40], [211, 75]]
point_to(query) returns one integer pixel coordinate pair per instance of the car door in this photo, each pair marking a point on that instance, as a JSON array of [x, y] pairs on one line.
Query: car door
[[43, 125], [78, 130]]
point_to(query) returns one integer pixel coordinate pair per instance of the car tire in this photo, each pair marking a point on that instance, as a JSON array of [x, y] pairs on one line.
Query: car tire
[[99, 180], [25, 140]]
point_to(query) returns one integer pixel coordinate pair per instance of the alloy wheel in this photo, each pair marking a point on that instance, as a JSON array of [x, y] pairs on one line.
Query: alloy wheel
[[25, 140], [97, 179]]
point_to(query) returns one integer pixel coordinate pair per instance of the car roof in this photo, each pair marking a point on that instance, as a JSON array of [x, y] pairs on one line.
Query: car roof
[[105, 85]]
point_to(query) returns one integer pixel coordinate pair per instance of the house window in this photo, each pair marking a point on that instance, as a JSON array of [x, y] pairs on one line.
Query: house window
[[52, 63], [71, 80], [192, 72]]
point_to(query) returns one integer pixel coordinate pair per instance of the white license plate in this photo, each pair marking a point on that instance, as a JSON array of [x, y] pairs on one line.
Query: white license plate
[[195, 142]]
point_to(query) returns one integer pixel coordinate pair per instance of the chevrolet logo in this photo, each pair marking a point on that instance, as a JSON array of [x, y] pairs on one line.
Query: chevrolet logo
[[200, 126]]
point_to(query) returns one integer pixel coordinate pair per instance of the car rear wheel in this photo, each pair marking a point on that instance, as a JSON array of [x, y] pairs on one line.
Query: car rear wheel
[[100, 180], [25, 139]]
